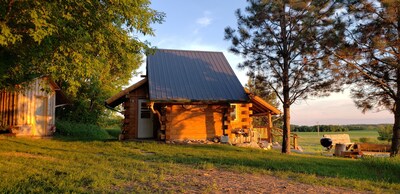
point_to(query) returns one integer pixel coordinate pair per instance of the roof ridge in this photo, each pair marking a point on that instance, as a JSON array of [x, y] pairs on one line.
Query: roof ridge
[[162, 49]]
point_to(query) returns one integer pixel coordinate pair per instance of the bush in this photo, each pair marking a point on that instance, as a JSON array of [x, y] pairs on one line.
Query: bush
[[385, 132], [110, 120], [80, 131], [367, 140]]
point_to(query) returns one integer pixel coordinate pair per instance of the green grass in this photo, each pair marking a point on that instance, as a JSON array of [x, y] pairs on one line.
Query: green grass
[[309, 141], [113, 132], [58, 166], [70, 130]]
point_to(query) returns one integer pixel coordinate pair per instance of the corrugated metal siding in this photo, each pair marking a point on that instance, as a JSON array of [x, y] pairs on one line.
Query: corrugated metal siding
[[17, 109], [8, 110], [176, 75]]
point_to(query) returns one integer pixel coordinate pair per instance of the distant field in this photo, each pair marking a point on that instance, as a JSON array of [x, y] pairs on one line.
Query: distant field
[[309, 141]]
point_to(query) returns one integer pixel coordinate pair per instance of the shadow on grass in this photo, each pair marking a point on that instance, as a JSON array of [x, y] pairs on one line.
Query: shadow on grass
[[371, 169], [112, 136], [82, 139]]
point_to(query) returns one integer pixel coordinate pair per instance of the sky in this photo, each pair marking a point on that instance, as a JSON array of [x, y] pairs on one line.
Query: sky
[[200, 24]]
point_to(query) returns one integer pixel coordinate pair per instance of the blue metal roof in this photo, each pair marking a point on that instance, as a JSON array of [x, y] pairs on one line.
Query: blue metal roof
[[192, 76]]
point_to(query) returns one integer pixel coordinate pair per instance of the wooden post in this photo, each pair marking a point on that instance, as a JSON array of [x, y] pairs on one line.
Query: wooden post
[[269, 127], [295, 143]]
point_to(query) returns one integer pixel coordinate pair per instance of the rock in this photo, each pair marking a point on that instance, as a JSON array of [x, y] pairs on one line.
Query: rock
[[248, 145], [296, 151], [277, 147], [300, 148], [265, 145]]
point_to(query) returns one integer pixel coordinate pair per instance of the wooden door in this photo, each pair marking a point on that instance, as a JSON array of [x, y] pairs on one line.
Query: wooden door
[[40, 116], [145, 120]]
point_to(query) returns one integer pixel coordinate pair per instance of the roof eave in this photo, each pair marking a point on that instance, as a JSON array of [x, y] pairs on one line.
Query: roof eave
[[193, 101], [110, 101]]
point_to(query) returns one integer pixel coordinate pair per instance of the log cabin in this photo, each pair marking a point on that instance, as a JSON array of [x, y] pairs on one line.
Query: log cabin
[[29, 110], [191, 95]]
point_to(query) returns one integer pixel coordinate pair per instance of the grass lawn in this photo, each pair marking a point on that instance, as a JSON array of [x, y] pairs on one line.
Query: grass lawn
[[58, 166]]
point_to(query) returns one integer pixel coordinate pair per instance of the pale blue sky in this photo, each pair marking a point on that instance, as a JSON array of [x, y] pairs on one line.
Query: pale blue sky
[[199, 25]]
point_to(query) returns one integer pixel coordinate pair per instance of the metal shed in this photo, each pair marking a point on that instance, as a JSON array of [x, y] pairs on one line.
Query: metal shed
[[29, 111]]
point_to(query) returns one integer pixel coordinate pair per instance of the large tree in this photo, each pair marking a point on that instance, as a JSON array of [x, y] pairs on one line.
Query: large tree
[[284, 38], [89, 47], [372, 56]]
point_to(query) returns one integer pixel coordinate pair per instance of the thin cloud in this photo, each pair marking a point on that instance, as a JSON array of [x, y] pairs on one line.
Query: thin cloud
[[205, 20]]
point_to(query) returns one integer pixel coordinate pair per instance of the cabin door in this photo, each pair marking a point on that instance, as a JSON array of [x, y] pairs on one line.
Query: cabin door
[[40, 115], [145, 120]]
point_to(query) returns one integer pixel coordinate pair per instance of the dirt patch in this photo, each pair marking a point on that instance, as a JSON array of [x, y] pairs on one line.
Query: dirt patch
[[219, 181]]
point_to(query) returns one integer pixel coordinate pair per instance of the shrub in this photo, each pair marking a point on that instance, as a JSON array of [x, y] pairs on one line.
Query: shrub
[[80, 131], [385, 132], [367, 140], [110, 121]]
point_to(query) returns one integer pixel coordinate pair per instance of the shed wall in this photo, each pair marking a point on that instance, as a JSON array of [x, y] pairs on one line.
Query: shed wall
[[18, 109]]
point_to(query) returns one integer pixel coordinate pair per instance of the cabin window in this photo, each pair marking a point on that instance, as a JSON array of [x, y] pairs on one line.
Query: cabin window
[[233, 112], [145, 111]]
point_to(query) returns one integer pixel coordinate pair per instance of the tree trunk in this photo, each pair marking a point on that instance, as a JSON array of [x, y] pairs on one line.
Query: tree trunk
[[285, 84], [396, 127], [396, 133], [286, 129]]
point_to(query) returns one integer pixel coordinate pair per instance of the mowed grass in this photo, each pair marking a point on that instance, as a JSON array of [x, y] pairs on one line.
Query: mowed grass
[[74, 166], [310, 141]]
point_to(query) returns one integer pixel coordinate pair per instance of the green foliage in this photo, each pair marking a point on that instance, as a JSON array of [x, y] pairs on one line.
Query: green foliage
[[111, 120], [385, 132], [322, 128], [72, 130], [340, 128], [367, 140], [126, 167], [114, 132], [90, 48]]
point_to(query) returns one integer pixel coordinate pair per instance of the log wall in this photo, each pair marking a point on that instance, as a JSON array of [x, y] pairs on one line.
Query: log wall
[[197, 122], [130, 125], [18, 108], [243, 119]]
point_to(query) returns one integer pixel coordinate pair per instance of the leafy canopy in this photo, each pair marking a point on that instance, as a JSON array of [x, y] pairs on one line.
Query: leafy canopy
[[89, 47], [75, 42]]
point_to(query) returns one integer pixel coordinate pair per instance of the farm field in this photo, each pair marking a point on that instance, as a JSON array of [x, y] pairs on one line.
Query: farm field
[[309, 141], [59, 165]]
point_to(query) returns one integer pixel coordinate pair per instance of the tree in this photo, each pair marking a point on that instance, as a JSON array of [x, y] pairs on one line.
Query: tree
[[88, 46], [385, 132], [285, 39], [257, 86], [371, 54]]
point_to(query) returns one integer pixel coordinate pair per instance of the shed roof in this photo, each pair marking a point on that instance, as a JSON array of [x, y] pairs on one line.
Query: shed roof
[[192, 76]]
